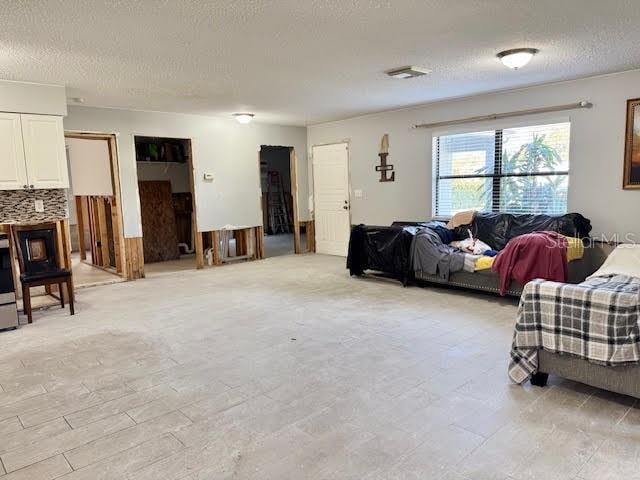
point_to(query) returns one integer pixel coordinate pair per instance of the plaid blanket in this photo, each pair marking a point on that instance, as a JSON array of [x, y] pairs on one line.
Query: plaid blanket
[[596, 320]]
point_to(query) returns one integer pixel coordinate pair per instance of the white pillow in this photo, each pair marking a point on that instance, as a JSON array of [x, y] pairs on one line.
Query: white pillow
[[624, 260]]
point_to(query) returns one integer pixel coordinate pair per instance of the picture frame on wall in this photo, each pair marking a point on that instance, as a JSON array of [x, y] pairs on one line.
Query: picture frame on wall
[[631, 178]]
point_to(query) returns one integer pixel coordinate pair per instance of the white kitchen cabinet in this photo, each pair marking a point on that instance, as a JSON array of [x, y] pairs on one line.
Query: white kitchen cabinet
[[13, 170], [39, 158], [44, 151]]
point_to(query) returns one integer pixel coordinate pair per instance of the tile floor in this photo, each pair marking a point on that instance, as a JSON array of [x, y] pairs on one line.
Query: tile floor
[[185, 262], [281, 244], [277, 245], [303, 373], [85, 275]]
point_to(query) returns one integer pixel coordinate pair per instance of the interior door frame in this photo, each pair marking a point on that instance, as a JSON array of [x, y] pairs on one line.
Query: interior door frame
[[195, 233], [313, 179], [293, 174], [112, 143]]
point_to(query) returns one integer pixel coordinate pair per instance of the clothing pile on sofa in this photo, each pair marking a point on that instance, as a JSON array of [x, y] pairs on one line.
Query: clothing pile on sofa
[[438, 249], [515, 247]]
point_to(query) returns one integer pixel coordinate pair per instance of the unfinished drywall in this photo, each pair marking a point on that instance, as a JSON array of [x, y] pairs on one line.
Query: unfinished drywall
[[596, 158], [89, 166], [220, 146]]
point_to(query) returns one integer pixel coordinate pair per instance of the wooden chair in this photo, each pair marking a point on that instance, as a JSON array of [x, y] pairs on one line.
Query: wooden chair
[[37, 256]]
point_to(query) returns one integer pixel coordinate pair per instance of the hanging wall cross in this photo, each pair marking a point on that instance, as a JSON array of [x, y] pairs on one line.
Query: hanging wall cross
[[383, 168]]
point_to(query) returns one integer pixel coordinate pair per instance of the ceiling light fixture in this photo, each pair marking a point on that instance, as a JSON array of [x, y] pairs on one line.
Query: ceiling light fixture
[[407, 72], [517, 57], [243, 118]]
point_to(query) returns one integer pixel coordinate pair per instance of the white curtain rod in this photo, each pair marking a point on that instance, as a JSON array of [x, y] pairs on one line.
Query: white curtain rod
[[497, 116]]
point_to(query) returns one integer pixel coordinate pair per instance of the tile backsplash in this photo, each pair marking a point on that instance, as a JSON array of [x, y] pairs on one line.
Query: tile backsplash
[[18, 206]]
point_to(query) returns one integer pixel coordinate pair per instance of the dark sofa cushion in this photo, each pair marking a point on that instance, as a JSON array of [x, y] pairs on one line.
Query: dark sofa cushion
[[496, 229]]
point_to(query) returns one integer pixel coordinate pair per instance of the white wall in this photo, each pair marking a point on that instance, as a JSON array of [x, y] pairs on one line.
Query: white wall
[[220, 146], [596, 158], [25, 97]]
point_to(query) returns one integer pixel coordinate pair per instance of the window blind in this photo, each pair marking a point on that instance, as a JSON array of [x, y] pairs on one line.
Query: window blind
[[516, 170]]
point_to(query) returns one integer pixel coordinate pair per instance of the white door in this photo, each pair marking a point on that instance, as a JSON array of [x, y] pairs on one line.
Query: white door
[[13, 172], [331, 198], [44, 151]]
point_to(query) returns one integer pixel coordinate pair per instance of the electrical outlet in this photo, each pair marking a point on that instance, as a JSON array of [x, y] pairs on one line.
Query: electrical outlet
[[357, 193], [39, 206]]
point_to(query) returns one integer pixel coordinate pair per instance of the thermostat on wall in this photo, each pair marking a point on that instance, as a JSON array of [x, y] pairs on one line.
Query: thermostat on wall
[[208, 177]]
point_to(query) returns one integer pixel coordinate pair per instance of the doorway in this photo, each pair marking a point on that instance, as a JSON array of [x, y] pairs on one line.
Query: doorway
[[332, 206], [278, 184], [95, 214], [165, 187]]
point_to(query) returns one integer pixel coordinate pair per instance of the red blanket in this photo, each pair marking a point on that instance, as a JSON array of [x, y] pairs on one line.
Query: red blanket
[[533, 255]]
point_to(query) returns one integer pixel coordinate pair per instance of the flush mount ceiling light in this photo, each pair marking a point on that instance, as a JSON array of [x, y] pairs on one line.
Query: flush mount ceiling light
[[243, 118], [407, 72], [517, 57]]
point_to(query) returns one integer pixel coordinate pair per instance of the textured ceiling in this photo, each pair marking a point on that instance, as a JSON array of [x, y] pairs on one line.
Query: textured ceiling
[[305, 61]]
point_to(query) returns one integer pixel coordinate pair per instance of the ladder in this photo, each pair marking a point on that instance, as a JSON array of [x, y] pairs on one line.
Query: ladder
[[276, 204]]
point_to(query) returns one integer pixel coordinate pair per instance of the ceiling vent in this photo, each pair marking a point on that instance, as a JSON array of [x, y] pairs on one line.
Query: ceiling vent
[[407, 72]]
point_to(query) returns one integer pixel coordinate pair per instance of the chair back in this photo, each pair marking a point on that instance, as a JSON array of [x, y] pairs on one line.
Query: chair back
[[36, 247]]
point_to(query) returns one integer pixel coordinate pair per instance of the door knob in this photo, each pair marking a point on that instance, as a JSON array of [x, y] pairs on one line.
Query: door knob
[[346, 207]]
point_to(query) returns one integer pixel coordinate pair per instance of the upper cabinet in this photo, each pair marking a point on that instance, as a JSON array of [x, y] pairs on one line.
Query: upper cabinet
[[32, 152], [44, 151], [13, 174]]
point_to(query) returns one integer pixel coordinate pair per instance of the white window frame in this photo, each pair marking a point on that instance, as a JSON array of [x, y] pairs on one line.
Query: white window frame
[[495, 126]]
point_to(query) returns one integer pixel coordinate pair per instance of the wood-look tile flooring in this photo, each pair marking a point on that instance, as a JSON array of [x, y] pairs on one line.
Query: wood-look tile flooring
[[288, 369], [85, 275]]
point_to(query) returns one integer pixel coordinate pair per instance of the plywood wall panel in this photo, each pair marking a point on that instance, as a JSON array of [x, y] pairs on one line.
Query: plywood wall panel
[[159, 231]]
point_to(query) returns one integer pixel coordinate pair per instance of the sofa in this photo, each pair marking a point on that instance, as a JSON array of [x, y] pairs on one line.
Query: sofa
[[387, 250]]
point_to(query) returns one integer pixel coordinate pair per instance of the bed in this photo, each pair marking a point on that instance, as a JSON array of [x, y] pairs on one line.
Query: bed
[[588, 332]]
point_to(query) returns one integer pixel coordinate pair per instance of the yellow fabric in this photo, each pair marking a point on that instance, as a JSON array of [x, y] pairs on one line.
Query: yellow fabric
[[575, 248], [484, 262]]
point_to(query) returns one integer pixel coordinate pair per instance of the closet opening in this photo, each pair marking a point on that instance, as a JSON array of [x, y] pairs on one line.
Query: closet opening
[[168, 212], [95, 214], [283, 233]]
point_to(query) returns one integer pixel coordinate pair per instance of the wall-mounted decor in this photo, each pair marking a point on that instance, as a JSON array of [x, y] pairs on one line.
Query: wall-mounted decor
[[632, 146], [384, 167]]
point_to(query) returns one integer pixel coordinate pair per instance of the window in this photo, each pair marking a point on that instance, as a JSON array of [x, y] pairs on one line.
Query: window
[[516, 170]]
